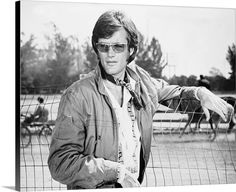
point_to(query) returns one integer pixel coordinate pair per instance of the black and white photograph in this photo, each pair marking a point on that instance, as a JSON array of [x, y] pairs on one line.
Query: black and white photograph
[[125, 96]]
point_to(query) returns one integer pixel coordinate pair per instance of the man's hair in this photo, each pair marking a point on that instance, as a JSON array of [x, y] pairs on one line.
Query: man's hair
[[110, 22]]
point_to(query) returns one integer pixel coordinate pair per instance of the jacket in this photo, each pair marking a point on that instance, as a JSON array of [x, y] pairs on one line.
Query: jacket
[[84, 145]]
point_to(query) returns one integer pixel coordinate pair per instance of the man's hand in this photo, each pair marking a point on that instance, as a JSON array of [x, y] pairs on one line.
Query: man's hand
[[126, 178], [210, 101]]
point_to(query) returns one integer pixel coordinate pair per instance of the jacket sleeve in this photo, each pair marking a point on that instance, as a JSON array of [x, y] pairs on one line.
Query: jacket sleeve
[[174, 96], [179, 98], [67, 162]]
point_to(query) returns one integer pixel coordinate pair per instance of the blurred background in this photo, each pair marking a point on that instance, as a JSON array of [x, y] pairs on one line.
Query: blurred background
[[177, 43]]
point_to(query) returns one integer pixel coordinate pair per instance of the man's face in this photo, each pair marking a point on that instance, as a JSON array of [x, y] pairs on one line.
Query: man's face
[[114, 53]]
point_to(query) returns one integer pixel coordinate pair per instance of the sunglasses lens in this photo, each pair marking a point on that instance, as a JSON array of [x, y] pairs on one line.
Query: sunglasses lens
[[102, 47], [118, 48]]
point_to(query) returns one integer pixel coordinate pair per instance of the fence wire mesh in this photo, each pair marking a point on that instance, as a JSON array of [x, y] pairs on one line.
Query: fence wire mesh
[[190, 158]]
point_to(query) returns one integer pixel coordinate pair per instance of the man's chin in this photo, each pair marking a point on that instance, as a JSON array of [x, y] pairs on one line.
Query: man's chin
[[111, 72]]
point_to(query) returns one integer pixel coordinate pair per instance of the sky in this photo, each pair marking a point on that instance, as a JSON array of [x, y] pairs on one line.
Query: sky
[[193, 40]]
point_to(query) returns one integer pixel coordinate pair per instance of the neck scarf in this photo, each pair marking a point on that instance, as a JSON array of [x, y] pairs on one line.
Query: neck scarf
[[123, 83]]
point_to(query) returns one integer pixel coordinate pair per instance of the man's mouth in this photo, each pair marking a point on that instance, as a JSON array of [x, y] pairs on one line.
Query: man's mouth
[[111, 63]]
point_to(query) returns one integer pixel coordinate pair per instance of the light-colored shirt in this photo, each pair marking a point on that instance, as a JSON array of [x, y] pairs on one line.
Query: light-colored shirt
[[129, 134]]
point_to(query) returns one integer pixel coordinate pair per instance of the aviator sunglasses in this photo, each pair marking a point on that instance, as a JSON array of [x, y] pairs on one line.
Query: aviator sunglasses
[[117, 47]]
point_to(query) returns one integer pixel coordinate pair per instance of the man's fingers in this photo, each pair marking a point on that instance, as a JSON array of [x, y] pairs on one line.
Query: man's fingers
[[224, 110], [230, 113], [222, 114], [223, 107], [219, 106], [206, 111]]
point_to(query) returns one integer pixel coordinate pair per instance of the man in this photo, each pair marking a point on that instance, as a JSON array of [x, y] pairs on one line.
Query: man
[[40, 114], [103, 131], [203, 82]]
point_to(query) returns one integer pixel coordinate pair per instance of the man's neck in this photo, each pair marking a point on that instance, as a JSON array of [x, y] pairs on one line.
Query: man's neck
[[120, 76], [116, 91]]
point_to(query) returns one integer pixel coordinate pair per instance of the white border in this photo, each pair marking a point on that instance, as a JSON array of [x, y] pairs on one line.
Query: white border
[[7, 63]]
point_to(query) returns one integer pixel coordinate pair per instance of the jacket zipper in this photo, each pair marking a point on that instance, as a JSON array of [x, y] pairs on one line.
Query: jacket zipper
[[115, 126]]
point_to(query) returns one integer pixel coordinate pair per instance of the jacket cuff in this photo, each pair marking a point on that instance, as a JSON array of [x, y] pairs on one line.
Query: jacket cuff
[[195, 93], [120, 174], [111, 170], [190, 93]]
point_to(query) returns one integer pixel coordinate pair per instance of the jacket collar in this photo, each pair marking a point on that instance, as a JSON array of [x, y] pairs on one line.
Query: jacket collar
[[98, 76], [98, 80], [131, 71]]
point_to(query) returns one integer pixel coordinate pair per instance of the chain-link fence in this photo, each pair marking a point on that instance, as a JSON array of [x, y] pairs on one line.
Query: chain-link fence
[[178, 157]]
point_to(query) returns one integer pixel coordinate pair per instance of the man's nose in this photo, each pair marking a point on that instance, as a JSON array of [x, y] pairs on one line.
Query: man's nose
[[110, 52]]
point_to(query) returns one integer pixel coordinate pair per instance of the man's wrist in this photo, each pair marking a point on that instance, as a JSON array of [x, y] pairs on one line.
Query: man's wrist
[[196, 93]]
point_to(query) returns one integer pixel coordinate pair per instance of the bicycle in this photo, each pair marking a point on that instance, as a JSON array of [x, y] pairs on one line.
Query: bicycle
[[45, 129]]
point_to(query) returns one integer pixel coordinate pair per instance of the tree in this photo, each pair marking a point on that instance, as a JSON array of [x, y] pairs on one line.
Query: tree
[[215, 72], [28, 58], [91, 60], [230, 57], [63, 59], [218, 83], [192, 80], [181, 80], [149, 57]]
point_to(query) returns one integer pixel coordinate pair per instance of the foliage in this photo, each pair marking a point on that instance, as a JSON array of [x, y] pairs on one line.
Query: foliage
[[178, 80], [149, 57], [230, 57], [63, 60], [90, 57], [215, 72], [58, 64], [192, 80], [28, 57], [218, 83]]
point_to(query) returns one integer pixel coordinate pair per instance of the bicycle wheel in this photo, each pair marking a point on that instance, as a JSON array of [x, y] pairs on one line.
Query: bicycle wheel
[[45, 135], [25, 137], [45, 131]]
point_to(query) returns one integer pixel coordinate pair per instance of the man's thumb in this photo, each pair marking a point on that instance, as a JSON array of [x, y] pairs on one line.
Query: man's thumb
[[207, 113]]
